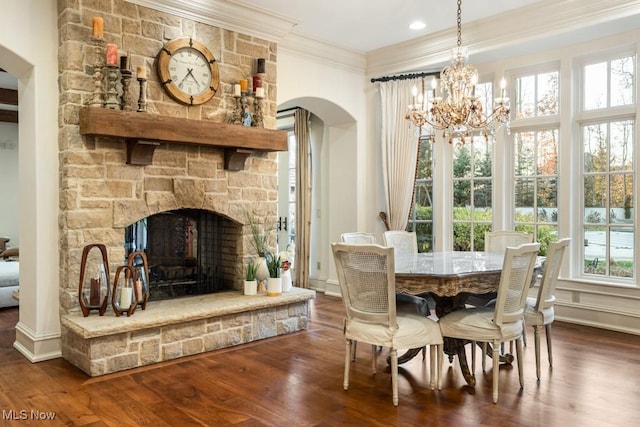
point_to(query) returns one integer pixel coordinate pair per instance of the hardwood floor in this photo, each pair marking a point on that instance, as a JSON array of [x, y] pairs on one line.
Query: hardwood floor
[[296, 380]]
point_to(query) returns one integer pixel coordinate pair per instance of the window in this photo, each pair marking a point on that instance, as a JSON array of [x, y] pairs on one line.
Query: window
[[472, 185], [608, 198], [607, 134], [537, 95], [535, 155], [608, 83], [536, 184], [421, 215], [472, 191]]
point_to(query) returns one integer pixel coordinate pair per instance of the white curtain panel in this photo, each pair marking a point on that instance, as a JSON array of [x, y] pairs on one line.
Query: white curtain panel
[[399, 150]]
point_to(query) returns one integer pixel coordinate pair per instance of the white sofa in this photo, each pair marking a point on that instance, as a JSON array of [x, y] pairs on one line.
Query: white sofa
[[9, 283]]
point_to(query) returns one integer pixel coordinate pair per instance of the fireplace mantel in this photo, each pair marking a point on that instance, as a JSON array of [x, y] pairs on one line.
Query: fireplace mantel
[[143, 132]]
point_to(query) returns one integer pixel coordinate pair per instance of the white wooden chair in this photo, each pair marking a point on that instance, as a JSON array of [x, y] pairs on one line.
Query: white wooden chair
[[366, 274], [498, 241], [539, 311], [404, 242], [358, 237], [504, 322]]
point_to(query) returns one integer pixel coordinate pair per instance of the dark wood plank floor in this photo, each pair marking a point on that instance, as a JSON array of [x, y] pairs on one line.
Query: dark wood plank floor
[[296, 380]]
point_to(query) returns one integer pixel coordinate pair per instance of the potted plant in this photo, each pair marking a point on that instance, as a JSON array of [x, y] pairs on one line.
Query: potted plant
[[250, 282], [259, 242], [274, 283]]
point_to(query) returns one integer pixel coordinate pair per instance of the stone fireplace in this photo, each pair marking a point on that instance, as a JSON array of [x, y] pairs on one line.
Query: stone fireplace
[[196, 169]]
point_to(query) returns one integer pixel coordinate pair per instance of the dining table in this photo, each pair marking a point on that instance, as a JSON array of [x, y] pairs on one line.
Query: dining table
[[450, 278]]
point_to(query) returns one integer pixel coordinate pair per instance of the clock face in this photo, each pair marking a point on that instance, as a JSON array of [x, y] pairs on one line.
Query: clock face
[[188, 71]]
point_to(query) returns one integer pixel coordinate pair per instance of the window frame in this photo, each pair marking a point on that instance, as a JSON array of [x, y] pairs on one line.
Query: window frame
[[607, 115]]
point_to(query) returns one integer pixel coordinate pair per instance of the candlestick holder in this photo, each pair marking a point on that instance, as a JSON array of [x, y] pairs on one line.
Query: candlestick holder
[[259, 115], [111, 101], [236, 114], [138, 261], [93, 288], [142, 99], [123, 298], [247, 119], [126, 101], [97, 97]]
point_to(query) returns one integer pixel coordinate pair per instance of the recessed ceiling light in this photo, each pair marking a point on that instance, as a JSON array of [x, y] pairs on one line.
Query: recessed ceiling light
[[417, 25]]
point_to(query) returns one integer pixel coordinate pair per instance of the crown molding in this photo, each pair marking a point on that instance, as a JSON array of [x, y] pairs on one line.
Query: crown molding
[[322, 52], [535, 22], [227, 14]]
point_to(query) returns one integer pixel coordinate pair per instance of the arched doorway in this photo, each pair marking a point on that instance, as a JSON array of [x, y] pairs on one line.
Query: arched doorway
[[334, 180]]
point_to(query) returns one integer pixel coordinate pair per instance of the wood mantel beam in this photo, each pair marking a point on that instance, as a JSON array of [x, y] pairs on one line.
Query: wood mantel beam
[[142, 130]]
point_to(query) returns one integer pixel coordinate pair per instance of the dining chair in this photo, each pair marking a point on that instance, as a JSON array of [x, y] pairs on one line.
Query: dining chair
[[504, 322], [358, 237], [366, 274], [498, 241], [404, 242], [539, 311], [404, 302]]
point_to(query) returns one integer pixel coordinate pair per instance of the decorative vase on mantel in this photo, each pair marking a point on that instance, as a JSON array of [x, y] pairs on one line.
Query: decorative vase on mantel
[[262, 271], [286, 280]]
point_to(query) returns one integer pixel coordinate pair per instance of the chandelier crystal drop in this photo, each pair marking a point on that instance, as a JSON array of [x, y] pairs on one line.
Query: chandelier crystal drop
[[460, 114]]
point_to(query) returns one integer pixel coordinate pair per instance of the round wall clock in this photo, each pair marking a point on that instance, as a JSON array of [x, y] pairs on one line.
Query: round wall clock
[[188, 71]]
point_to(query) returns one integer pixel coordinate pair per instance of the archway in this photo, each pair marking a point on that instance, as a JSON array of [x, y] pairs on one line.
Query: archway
[[334, 181]]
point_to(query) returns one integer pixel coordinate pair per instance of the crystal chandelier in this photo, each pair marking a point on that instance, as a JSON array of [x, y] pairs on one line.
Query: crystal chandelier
[[460, 115]]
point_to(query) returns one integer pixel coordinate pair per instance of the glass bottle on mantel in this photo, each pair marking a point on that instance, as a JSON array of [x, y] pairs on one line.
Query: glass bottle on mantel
[[93, 288]]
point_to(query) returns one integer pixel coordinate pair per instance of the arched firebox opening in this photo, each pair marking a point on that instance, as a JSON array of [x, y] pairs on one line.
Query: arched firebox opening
[[189, 252]]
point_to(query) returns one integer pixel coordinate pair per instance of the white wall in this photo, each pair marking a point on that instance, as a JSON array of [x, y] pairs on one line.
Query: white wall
[[9, 183], [343, 175], [28, 50]]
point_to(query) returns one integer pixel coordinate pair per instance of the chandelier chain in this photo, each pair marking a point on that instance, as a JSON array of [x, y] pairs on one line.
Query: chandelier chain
[[459, 23]]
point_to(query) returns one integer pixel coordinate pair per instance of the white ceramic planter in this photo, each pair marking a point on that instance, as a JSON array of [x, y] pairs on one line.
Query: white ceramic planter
[[250, 287], [274, 286]]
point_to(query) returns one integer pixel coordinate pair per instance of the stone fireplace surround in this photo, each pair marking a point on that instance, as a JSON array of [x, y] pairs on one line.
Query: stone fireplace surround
[[101, 194]]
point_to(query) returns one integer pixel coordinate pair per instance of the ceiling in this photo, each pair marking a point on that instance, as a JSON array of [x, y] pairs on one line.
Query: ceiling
[[382, 22]]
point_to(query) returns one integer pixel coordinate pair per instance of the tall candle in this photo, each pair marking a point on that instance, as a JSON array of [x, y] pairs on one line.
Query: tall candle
[[112, 54], [141, 72], [98, 27], [125, 298], [94, 292], [236, 90], [243, 85], [257, 81], [124, 62], [139, 290]]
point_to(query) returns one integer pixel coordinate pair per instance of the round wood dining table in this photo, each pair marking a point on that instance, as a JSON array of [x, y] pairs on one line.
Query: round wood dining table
[[450, 278]]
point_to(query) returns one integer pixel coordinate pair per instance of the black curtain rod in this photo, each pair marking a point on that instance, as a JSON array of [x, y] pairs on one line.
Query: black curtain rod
[[287, 109], [406, 76]]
